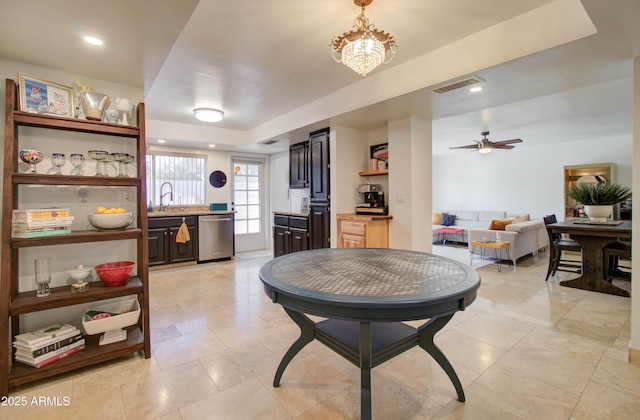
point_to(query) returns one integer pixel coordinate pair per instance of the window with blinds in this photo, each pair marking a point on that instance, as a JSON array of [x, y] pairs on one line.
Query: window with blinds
[[187, 174]]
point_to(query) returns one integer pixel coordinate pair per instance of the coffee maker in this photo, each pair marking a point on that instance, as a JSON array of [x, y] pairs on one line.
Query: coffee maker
[[373, 200]]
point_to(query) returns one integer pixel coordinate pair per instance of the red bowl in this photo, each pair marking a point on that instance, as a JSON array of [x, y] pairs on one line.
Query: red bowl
[[114, 273]]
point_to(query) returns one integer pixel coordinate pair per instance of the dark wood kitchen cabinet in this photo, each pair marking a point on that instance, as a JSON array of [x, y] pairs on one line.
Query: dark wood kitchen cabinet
[[319, 160], [163, 248], [290, 234], [320, 203], [320, 225], [299, 165]]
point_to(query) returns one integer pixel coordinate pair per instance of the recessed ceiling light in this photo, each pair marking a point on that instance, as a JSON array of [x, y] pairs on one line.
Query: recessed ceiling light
[[212, 145], [160, 141], [93, 40], [475, 89], [208, 114]]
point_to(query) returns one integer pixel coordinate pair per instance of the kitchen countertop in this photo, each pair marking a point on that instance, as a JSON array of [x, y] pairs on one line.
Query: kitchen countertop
[[362, 217], [175, 212], [291, 213]]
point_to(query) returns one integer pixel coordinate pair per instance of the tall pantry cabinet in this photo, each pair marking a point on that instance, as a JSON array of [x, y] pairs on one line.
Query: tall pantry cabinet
[[16, 303]]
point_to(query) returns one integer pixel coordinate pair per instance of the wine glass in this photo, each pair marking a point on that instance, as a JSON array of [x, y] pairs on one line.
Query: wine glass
[[98, 156], [129, 160], [121, 158], [32, 158], [106, 163], [77, 160], [57, 160]]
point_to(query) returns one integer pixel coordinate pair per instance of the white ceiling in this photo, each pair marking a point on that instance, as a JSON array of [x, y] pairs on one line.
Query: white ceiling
[[261, 61]]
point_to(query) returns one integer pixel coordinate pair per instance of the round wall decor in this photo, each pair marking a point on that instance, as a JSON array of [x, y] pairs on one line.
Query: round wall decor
[[217, 179]]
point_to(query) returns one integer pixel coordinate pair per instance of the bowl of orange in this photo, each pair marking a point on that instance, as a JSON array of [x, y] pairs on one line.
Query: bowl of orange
[[114, 218]]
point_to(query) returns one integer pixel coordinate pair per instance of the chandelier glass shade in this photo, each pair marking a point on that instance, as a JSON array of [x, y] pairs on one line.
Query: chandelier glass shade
[[364, 47], [484, 147]]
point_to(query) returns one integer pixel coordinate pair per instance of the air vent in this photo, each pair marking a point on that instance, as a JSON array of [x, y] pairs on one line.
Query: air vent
[[459, 84], [268, 142]]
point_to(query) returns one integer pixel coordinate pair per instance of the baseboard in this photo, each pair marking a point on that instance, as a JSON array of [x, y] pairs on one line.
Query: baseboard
[[634, 356]]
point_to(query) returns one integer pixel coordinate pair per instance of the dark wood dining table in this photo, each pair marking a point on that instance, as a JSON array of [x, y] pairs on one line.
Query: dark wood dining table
[[365, 294], [593, 237]]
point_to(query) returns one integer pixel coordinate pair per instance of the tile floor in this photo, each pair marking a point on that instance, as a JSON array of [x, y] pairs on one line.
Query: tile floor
[[525, 349]]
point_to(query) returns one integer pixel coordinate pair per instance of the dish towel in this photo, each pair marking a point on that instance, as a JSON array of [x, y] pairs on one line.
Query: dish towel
[[183, 234]]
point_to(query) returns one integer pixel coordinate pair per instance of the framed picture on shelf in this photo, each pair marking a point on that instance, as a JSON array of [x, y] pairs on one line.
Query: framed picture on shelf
[[380, 152], [42, 97]]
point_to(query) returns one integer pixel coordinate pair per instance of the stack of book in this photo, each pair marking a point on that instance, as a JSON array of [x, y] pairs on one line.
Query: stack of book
[[44, 346], [35, 223]]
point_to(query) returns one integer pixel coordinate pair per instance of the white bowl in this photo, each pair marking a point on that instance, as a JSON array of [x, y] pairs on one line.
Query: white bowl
[[110, 221], [113, 326], [80, 272]]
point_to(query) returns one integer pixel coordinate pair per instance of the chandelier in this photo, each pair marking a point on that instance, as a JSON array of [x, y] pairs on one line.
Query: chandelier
[[364, 47]]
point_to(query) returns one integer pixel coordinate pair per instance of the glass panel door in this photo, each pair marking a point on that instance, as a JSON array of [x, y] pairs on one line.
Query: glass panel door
[[248, 203]]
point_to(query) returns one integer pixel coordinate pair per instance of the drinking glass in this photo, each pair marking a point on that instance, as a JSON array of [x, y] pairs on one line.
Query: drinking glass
[[32, 158], [106, 163], [58, 160], [77, 160], [98, 156], [129, 160], [43, 276]]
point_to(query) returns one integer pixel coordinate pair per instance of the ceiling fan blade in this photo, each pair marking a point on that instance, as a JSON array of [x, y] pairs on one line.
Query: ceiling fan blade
[[470, 146], [507, 142], [502, 146]]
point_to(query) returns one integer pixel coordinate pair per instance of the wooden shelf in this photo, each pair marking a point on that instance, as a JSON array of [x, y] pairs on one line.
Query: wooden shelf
[[78, 236], [27, 302], [93, 353], [101, 181], [374, 173], [72, 124]]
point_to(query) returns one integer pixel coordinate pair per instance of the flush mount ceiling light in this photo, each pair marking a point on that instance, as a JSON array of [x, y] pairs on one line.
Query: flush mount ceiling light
[[475, 89], [93, 40], [208, 114], [364, 47]]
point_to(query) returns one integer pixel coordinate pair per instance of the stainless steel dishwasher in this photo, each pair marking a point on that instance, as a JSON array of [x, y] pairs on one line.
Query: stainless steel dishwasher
[[215, 237]]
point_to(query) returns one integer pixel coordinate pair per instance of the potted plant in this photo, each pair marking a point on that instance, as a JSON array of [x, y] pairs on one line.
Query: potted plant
[[599, 199]]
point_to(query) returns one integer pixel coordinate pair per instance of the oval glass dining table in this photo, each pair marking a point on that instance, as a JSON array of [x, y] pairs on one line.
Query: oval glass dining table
[[365, 294]]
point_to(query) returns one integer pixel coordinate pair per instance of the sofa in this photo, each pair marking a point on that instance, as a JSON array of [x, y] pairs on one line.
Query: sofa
[[526, 236]]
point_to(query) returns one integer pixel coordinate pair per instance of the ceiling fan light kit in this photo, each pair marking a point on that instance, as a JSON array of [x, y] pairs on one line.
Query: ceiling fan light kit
[[208, 114], [486, 146], [364, 47]]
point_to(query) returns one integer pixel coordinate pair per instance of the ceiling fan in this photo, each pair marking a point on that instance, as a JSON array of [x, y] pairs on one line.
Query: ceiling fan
[[485, 145]]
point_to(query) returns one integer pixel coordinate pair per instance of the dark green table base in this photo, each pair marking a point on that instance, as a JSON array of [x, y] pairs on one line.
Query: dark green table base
[[367, 345]]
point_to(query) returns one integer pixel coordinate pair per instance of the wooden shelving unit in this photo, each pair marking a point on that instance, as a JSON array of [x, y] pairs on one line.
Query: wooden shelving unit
[[13, 302]]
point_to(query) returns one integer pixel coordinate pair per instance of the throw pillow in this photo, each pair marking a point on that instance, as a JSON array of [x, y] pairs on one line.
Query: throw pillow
[[523, 218], [499, 224], [448, 219], [436, 218]]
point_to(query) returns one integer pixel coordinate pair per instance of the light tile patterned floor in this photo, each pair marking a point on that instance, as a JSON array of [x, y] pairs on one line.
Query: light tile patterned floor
[[526, 349]]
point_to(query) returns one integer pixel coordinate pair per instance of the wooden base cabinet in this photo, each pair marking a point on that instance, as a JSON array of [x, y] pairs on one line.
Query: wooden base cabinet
[[163, 248], [360, 231], [290, 234]]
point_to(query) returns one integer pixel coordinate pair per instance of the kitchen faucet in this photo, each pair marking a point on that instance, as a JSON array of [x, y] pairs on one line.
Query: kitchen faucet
[[162, 195]]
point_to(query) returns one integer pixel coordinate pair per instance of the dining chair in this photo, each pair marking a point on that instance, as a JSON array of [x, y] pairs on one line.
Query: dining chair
[[611, 255], [557, 245]]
